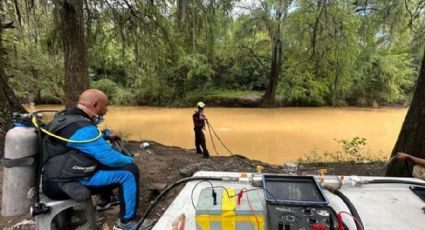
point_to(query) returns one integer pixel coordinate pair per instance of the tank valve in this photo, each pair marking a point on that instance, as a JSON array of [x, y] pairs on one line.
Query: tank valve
[[39, 208]]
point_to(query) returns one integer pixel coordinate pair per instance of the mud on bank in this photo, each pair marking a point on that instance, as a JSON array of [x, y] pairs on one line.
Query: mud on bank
[[161, 166]]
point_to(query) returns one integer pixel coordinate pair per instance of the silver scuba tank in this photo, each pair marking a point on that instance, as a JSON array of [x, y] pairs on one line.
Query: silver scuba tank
[[19, 167]]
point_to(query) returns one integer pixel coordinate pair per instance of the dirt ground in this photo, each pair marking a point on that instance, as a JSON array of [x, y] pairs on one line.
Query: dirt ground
[[161, 166]]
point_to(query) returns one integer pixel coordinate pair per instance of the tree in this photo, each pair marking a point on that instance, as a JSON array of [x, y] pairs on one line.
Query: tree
[[75, 52], [8, 101], [277, 48], [412, 134]]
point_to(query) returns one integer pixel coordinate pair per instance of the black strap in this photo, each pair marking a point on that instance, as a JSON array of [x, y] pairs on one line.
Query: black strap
[[18, 162], [120, 147]]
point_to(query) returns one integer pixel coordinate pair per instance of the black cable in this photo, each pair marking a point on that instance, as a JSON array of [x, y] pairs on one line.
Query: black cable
[[212, 140], [388, 181], [39, 163], [350, 207], [332, 224], [210, 126], [193, 189], [166, 190], [225, 189]]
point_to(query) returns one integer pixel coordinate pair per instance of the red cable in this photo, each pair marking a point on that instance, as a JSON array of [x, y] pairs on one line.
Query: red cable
[[354, 218], [339, 219], [251, 209]]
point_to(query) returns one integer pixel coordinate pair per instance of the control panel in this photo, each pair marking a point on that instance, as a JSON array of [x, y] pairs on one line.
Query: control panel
[[282, 217]]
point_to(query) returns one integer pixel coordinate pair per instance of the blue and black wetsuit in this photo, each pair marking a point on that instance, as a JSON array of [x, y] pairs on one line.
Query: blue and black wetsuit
[[69, 169]]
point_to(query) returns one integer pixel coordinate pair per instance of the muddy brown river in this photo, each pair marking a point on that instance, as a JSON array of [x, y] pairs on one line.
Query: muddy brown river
[[272, 135]]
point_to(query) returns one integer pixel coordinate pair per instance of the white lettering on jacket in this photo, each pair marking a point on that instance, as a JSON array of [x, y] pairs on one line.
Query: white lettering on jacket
[[85, 169]]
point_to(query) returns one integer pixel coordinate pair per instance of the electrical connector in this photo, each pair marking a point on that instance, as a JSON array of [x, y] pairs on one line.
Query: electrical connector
[[214, 195], [240, 197]]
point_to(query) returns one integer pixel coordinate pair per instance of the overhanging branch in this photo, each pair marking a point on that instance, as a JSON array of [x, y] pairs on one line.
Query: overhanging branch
[[8, 25]]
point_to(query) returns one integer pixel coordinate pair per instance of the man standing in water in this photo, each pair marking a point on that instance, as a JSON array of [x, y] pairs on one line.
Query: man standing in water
[[199, 120]]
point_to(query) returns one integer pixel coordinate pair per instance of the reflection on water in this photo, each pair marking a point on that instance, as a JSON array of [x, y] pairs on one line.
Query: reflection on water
[[271, 135]]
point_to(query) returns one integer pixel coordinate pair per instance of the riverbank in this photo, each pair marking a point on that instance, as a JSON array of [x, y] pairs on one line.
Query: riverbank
[[162, 165]]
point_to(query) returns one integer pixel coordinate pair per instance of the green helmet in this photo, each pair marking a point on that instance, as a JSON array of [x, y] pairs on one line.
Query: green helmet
[[200, 105]]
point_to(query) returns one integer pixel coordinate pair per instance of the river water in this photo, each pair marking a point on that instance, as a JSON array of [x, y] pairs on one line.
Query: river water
[[271, 135]]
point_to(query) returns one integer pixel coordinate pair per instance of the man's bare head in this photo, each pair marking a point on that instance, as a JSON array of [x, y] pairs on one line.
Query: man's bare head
[[93, 102]]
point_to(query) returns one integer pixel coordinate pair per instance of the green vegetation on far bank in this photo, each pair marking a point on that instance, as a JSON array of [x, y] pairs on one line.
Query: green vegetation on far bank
[[331, 52], [349, 150]]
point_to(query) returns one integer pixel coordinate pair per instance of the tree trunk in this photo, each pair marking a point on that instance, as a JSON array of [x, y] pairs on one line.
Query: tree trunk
[[75, 53], [210, 32], [335, 90], [8, 101], [269, 96], [268, 99], [412, 135]]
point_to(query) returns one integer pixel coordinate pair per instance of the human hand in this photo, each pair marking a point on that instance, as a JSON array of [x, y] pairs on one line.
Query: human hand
[[402, 156], [111, 136], [114, 137]]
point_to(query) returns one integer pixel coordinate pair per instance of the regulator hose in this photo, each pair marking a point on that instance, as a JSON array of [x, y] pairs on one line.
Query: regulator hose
[[166, 190]]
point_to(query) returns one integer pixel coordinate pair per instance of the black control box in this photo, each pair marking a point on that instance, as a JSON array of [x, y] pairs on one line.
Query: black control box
[[297, 203], [282, 217]]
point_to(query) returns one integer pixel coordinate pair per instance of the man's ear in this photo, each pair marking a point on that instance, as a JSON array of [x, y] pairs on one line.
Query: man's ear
[[95, 105]]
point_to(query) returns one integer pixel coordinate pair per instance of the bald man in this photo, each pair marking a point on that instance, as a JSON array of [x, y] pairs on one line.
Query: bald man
[[82, 163]]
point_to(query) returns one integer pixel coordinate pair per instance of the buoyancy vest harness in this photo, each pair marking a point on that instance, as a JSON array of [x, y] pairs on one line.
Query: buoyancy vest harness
[[60, 162]]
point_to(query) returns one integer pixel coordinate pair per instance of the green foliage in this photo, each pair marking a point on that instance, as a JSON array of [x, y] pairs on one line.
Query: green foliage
[[106, 85], [248, 74], [172, 52], [224, 97], [36, 77], [389, 79], [116, 94], [353, 150], [302, 88], [195, 71]]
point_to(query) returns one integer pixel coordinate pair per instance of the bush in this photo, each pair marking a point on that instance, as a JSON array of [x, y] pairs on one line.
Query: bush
[[123, 97], [107, 86], [116, 95], [352, 151]]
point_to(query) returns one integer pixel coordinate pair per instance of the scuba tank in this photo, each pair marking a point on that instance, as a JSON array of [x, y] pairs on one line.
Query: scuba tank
[[19, 166]]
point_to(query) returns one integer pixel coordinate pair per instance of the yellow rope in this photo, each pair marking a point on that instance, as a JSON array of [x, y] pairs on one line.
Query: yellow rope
[[34, 121]]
